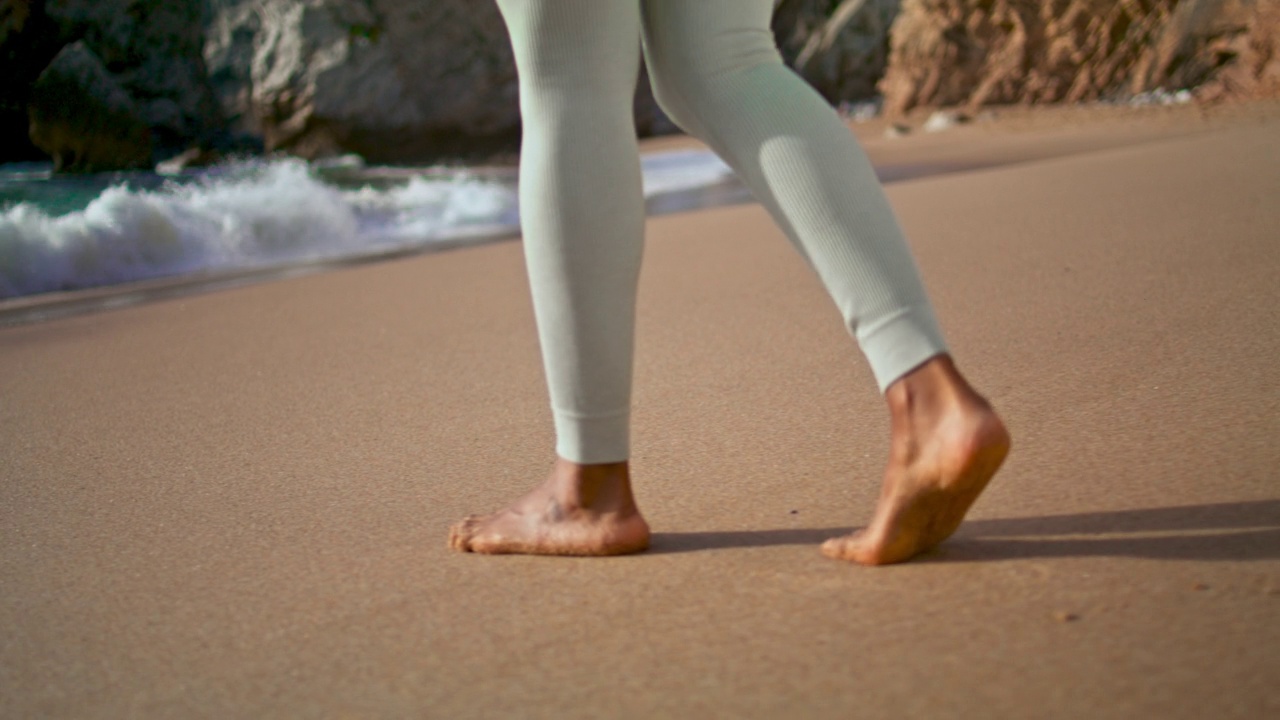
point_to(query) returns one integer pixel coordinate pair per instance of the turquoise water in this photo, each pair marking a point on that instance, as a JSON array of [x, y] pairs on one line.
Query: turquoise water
[[60, 233], [266, 217]]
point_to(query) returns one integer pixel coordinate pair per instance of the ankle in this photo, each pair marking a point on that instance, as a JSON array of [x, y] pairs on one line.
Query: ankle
[[593, 486], [929, 387]]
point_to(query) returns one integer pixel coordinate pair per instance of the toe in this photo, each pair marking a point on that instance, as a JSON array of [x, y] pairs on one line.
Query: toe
[[860, 547], [841, 548], [460, 534], [457, 540]]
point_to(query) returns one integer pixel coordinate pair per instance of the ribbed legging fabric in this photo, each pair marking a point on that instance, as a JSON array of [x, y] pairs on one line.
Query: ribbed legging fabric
[[717, 74]]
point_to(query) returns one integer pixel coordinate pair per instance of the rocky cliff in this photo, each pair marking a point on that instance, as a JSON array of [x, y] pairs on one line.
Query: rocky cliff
[[411, 81], [387, 79], [83, 118], [979, 52], [152, 50], [1242, 38], [392, 81]]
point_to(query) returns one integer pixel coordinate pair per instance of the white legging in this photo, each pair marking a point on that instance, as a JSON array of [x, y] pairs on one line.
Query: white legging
[[717, 74]]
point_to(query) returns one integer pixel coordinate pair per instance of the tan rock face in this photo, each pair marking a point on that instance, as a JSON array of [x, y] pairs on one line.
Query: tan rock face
[[1250, 37], [976, 52]]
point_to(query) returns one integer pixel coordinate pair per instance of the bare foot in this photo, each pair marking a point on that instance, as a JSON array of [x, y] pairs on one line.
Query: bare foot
[[946, 444], [579, 510]]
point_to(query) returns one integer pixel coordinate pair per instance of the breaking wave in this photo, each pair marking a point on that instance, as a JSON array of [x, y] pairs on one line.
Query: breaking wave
[[249, 215]]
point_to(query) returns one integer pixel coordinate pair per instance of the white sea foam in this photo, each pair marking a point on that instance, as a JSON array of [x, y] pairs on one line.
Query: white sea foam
[[248, 215], [682, 170], [237, 218]]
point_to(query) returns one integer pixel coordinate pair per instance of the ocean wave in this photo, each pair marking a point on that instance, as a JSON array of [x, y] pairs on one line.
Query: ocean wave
[[247, 215], [240, 217]]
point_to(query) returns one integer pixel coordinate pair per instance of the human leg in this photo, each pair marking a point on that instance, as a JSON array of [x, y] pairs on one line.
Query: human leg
[[717, 73], [582, 209], [582, 214]]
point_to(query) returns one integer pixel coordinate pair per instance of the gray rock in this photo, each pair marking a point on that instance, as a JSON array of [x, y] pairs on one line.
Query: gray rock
[[389, 80], [82, 117], [154, 50], [840, 46]]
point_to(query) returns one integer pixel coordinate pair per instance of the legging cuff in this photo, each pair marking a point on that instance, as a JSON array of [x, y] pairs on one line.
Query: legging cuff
[[594, 439], [900, 342]]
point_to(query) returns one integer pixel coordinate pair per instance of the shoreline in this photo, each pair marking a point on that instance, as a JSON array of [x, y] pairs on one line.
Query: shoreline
[[1004, 137]]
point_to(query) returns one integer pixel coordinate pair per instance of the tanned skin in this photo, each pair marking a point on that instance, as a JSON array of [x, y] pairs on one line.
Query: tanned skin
[[946, 444]]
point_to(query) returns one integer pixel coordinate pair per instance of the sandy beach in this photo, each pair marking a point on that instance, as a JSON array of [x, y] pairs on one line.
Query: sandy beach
[[235, 504]]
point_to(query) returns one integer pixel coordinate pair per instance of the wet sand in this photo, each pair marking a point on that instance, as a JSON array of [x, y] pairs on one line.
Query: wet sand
[[235, 504], [1009, 136]]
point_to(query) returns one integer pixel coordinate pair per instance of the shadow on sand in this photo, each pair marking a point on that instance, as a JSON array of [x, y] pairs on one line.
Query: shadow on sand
[[1221, 531]]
